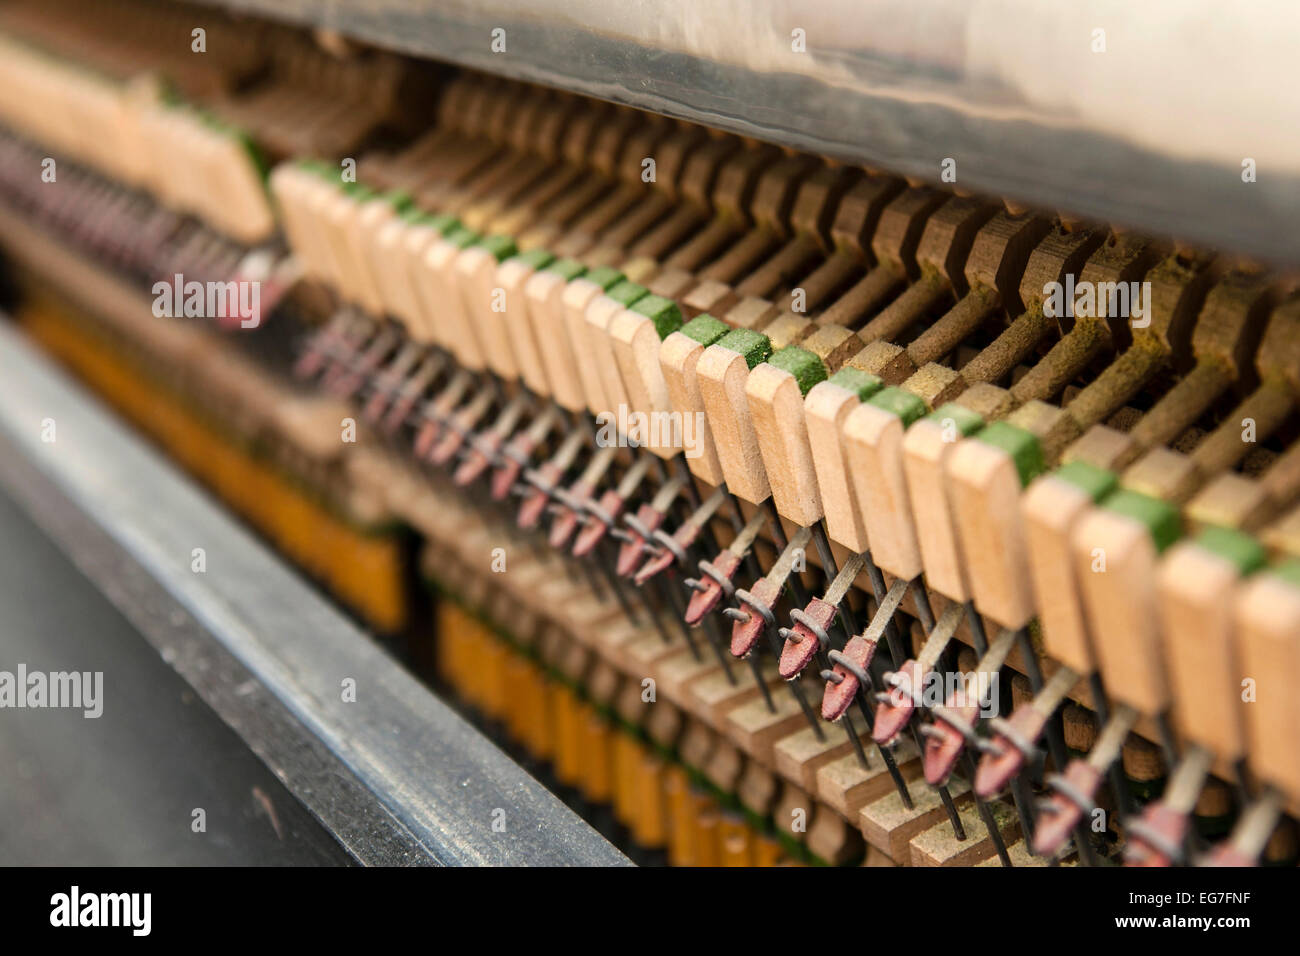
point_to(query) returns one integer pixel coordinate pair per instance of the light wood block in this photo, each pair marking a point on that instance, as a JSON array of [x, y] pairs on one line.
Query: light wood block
[[548, 308], [712, 697], [756, 729], [446, 305], [1267, 613], [890, 827], [799, 756], [776, 407], [613, 392], [640, 656], [721, 374], [372, 220], [846, 785], [926, 448], [635, 344], [1197, 591], [512, 328], [985, 494], [678, 357], [340, 216], [938, 847], [474, 273], [1121, 606], [1020, 857], [1050, 508], [415, 245], [1230, 501], [389, 260], [674, 674], [825, 408], [873, 442]]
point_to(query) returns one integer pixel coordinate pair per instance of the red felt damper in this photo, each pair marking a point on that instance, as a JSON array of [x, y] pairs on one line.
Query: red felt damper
[[594, 532], [375, 406], [345, 382], [312, 359], [630, 553], [1169, 825], [426, 437], [448, 445], [1004, 760], [893, 713], [837, 697], [684, 536], [309, 363], [1228, 853], [510, 466], [706, 599], [944, 744], [1062, 814], [534, 503], [745, 634], [398, 413], [567, 520], [796, 654], [478, 459]]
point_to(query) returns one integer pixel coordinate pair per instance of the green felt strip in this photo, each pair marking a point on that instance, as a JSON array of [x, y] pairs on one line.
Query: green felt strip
[[1095, 482], [314, 166], [662, 312], [805, 366], [705, 329], [625, 293], [1160, 518], [1288, 571], [755, 346], [359, 191], [501, 247], [445, 223], [254, 152], [440, 222], [963, 419], [462, 238], [1237, 547], [567, 269], [1021, 445], [900, 402], [605, 276], [862, 384], [535, 258], [399, 199]]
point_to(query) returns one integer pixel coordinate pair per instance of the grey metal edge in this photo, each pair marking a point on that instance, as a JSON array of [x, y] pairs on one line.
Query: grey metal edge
[[396, 775], [1150, 132]]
